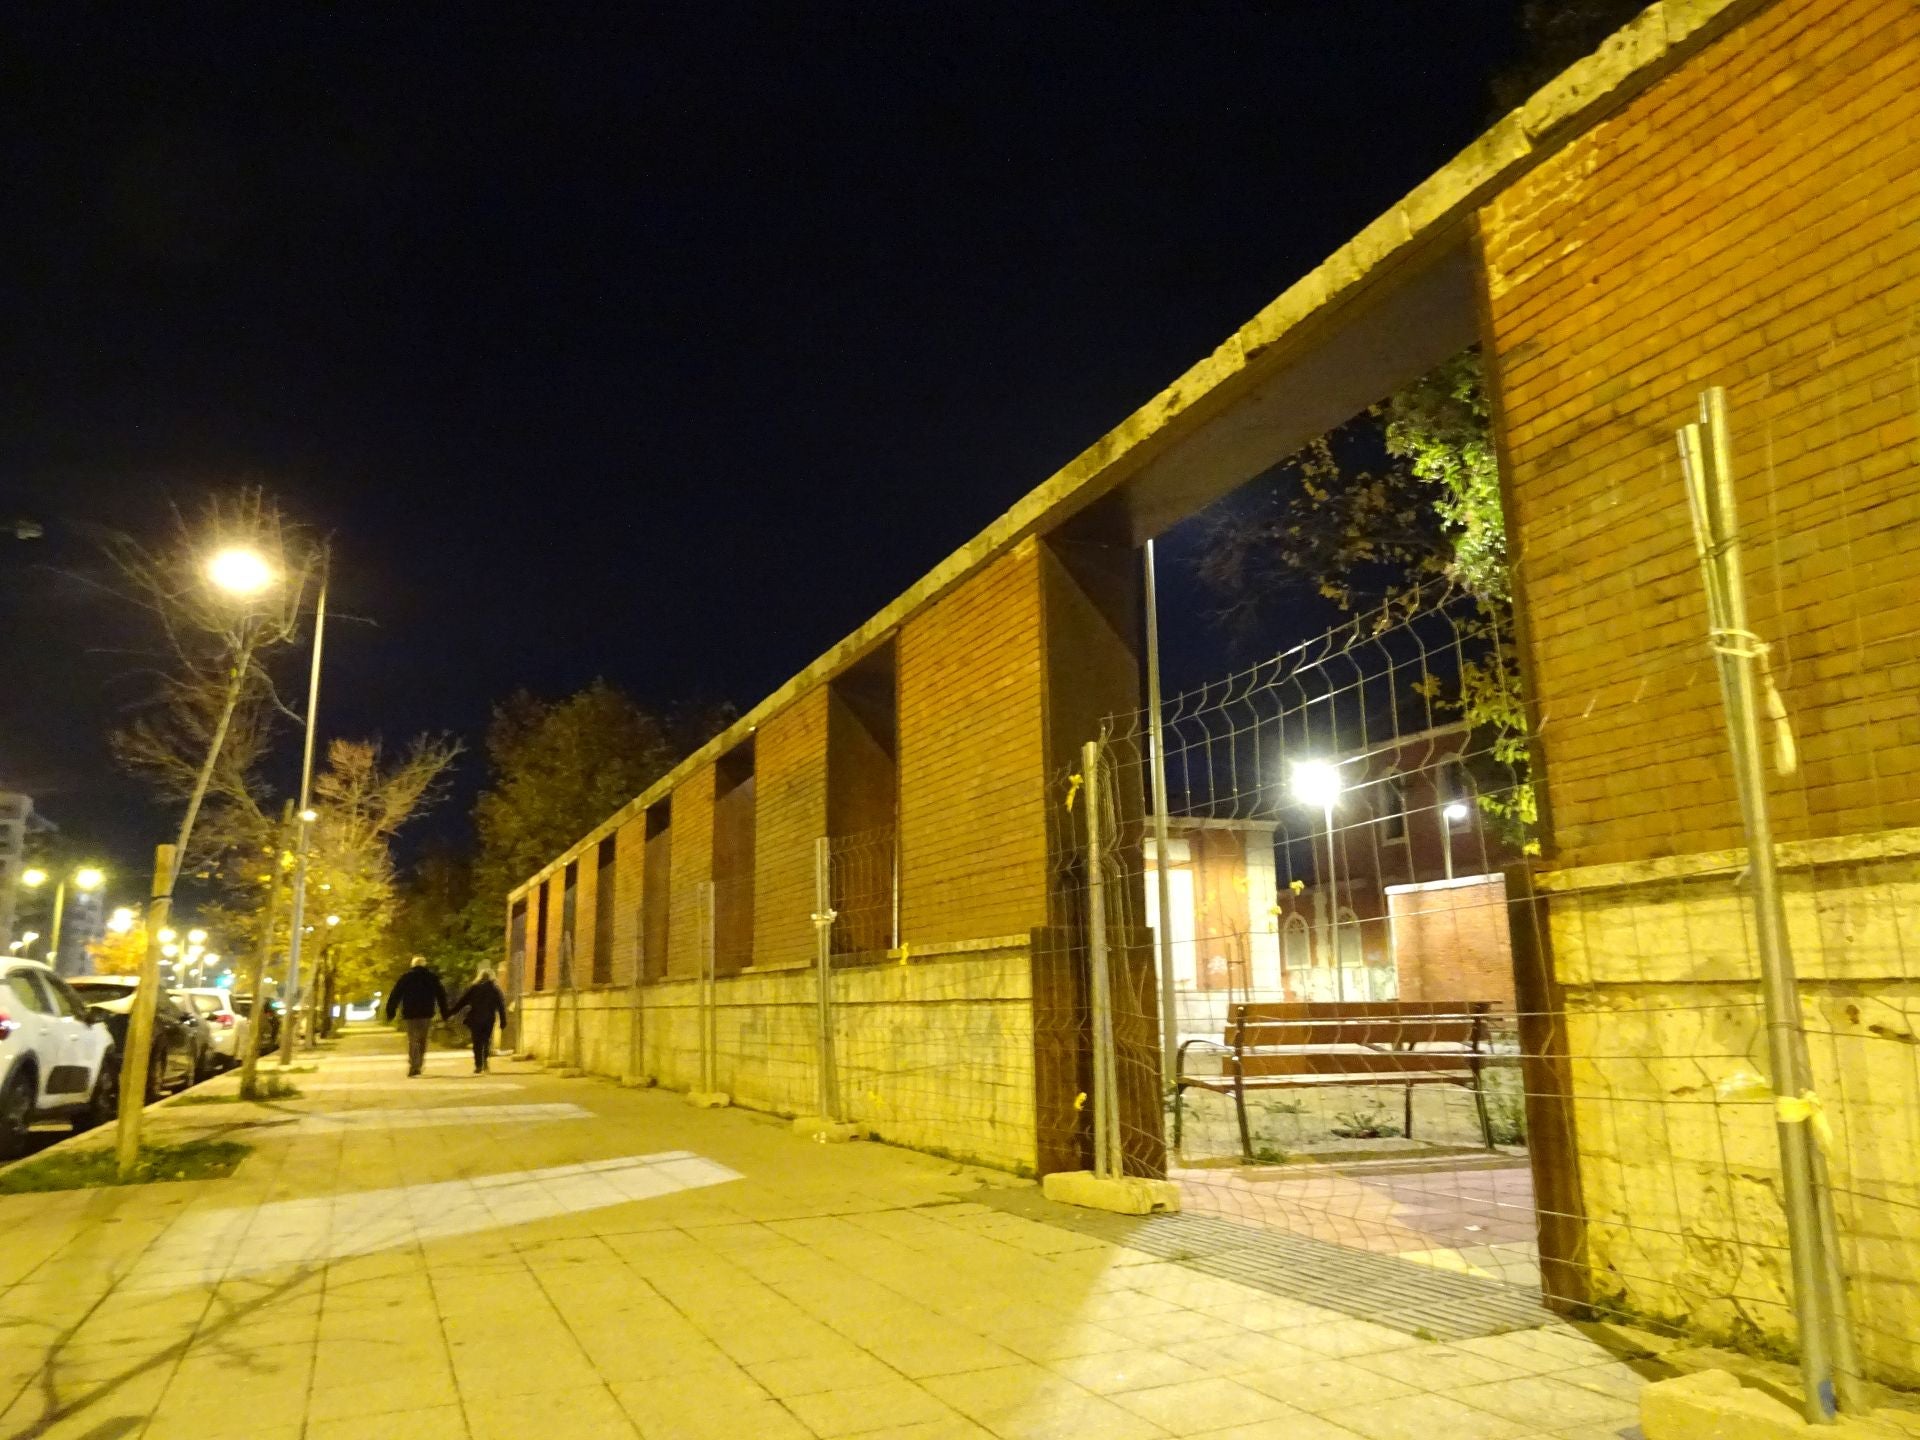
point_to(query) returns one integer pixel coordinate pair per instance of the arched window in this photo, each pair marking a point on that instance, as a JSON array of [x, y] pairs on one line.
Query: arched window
[[1296, 944]]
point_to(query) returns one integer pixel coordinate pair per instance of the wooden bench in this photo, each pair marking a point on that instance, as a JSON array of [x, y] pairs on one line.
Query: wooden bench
[[1340, 1042]]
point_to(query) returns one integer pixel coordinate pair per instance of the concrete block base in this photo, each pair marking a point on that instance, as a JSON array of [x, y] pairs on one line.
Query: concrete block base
[[709, 1099], [566, 1072], [1127, 1195], [827, 1132], [638, 1082], [1714, 1405]]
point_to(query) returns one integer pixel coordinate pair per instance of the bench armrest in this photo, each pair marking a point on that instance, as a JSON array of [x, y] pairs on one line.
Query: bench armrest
[[1180, 1055]]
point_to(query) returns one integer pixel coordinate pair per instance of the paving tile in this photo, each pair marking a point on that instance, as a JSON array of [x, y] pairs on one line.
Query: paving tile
[[1317, 1386], [1195, 1406], [810, 1375], [857, 1408], [1110, 1371], [588, 1412], [1425, 1417], [442, 1422], [1547, 1402]]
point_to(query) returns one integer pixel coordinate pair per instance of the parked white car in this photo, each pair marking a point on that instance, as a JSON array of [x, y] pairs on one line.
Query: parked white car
[[226, 1026], [57, 1061]]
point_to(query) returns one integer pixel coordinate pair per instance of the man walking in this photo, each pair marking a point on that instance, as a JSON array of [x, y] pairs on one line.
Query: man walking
[[417, 995]]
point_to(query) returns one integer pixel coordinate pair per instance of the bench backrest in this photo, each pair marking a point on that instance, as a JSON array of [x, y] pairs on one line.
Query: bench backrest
[[1347, 1037]]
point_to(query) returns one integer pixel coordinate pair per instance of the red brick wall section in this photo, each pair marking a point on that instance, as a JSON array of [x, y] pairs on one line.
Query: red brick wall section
[[629, 870], [691, 869], [791, 777], [1752, 221], [972, 796], [1451, 943]]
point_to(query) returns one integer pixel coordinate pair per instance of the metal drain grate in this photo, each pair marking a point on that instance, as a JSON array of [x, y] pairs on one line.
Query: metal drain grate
[[1412, 1298]]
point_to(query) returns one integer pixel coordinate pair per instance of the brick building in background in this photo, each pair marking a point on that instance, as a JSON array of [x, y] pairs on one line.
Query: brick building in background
[[1727, 193]]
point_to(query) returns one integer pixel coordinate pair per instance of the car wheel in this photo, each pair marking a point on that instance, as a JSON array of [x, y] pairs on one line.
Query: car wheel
[[104, 1103], [16, 1116]]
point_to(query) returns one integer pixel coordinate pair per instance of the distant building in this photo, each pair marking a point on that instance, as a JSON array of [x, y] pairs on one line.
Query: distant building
[[16, 810]]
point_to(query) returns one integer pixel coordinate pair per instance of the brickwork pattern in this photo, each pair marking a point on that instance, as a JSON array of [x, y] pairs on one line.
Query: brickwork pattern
[[972, 788], [1749, 222], [692, 868], [792, 781]]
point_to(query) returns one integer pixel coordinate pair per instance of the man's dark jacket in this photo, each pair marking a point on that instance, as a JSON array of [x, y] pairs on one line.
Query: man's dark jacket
[[417, 994]]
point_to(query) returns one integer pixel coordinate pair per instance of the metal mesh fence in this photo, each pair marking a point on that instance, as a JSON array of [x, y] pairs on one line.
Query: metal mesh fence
[[1402, 1029]]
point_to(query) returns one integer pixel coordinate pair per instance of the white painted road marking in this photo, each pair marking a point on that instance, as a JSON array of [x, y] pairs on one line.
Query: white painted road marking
[[201, 1249]]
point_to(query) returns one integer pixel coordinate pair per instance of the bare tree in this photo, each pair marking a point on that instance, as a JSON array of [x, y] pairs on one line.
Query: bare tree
[[224, 593]]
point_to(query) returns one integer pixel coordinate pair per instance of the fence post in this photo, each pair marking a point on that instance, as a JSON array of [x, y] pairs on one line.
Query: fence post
[[1827, 1360], [636, 1005], [1106, 1099], [708, 1032], [1163, 881], [823, 918]]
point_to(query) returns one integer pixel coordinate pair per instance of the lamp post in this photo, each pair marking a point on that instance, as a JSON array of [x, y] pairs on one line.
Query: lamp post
[[86, 879], [304, 841], [241, 573], [1317, 783]]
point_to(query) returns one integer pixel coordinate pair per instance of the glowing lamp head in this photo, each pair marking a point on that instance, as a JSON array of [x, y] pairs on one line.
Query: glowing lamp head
[[91, 877], [167, 937], [333, 919], [35, 877], [240, 571], [1315, 783], [196, 936], [121, 921], [1456, 811], [307, 817], [169, 950]]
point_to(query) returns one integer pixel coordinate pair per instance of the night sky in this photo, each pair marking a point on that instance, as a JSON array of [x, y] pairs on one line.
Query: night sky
[[662, 343]]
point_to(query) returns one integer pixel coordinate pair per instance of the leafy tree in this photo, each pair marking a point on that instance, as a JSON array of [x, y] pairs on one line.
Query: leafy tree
[[1396, 513], [557, 768], [119, 952]]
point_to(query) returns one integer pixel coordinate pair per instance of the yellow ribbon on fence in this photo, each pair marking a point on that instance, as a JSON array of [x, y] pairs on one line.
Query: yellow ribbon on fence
[[1806, 1109]]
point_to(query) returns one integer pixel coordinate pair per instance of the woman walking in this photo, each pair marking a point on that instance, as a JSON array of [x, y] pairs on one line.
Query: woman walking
[[484, 1007]]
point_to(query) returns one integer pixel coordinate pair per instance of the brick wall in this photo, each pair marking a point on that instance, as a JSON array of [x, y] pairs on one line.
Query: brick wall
[[972, 811], [629, 880], [1450, 942], [792, 785], [692, 868], [1752, 221]]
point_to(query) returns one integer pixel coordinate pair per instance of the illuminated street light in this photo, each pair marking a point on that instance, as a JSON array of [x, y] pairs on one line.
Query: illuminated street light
[[333, 919], [87, 878], [1456, 812], [196, 936], [240, 571], [1317, 782], [121, 921], [169, 950], [307, 817], [167, 935]]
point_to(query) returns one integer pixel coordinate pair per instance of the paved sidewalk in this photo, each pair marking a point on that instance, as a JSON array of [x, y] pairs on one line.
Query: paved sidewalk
[[521, 1255]]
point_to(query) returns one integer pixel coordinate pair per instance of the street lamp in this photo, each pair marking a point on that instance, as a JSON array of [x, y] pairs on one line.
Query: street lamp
[[121, 921], [196, 936], [240, 571], [308, 816], [1317, 783], [86, 879]]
